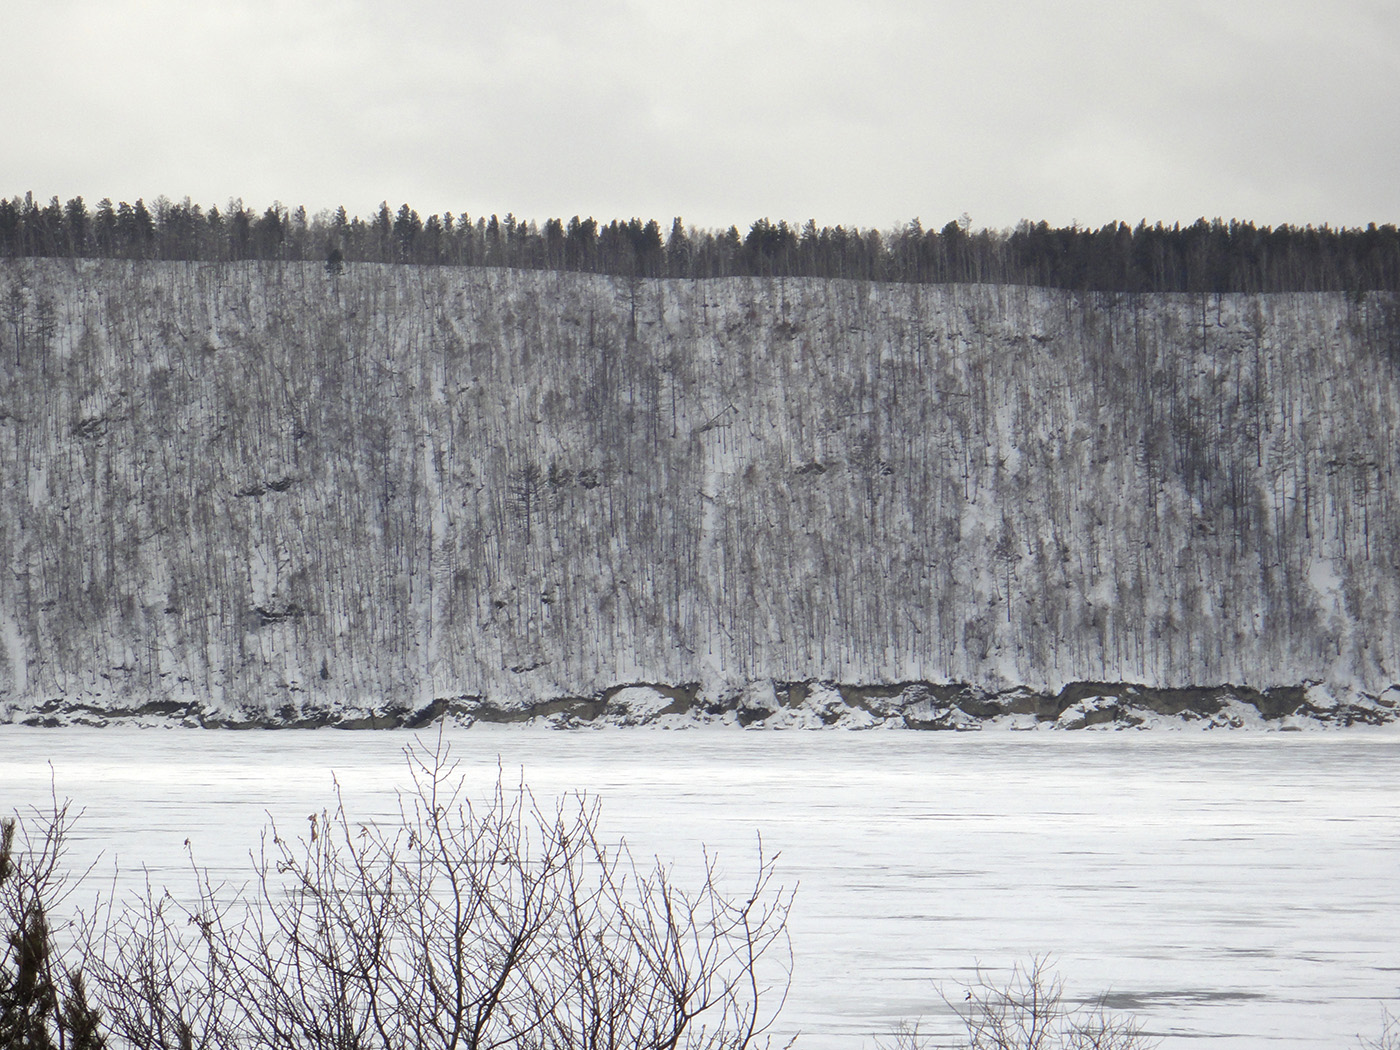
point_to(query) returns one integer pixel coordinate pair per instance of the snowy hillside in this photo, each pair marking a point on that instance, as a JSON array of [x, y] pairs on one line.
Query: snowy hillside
[[234, 492]]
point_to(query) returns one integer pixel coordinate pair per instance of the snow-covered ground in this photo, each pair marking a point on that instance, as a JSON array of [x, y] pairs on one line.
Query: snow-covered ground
[[1235, 891]]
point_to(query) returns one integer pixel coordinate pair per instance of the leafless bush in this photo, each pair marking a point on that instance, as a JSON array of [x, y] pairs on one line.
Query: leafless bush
[[1389, 1038], [456, 926], [1028, 1012]]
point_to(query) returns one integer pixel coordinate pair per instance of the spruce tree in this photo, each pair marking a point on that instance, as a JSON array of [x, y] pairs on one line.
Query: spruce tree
[[42, 1005]]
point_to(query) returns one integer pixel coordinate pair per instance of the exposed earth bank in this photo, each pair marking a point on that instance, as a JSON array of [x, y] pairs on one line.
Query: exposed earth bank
[[793, 705]]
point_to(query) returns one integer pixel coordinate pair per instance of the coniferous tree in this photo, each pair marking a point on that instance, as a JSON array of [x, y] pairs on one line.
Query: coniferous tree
[[269, 233], [407, 227], [677, 250], [240, 231], [79, 225], [383, 232], [43, 1005], [1207, 256]]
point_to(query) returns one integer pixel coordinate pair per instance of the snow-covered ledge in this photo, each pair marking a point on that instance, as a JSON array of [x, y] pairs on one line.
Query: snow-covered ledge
[[786, 706]]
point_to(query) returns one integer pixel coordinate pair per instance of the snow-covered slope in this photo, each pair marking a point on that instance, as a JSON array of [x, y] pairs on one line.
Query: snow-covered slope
[[257, 492]]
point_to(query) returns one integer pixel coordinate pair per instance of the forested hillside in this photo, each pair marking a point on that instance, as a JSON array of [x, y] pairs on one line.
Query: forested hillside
[[259, 488]]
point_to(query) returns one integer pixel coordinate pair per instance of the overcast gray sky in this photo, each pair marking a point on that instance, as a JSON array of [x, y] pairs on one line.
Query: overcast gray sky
[[721, 111]]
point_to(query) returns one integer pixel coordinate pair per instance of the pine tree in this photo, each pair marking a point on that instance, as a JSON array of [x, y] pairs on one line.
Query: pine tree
[[43, 1006]]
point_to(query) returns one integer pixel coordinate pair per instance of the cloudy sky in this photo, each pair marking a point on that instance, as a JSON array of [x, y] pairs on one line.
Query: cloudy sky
[[721, 111]]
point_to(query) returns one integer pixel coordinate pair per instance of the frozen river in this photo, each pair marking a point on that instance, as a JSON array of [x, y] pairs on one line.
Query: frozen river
[[1234, 890]]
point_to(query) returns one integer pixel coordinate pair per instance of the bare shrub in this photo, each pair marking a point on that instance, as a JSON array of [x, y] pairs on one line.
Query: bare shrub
[[459, 925], [1389, 1038], [1028, 1012]]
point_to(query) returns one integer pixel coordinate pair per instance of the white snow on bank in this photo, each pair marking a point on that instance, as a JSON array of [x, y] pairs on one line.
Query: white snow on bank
[[16, 668]]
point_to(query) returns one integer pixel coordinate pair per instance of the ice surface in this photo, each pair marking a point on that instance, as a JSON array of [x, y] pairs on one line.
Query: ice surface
[[1234, 891]]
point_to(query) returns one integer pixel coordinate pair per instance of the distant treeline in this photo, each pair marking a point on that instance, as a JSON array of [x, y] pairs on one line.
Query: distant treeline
[[1205, 256]]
